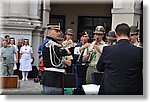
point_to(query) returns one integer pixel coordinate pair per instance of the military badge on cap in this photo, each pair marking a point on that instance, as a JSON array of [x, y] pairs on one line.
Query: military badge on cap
[[111, 35], [69, 32], [99, 30], [54, 26], [134, 30]]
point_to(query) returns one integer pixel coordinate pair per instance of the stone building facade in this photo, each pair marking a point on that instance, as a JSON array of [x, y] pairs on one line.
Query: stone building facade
[[28, 18]]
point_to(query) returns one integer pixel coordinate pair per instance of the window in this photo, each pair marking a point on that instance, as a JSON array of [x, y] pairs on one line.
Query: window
[[88, 23], [40, 10], [58, 19]]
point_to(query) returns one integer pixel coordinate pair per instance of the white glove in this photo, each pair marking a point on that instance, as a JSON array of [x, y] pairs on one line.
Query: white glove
[[31, 60], [20, 61]]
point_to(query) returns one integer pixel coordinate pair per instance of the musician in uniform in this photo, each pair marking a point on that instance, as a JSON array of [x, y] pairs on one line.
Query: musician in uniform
[[68, 39], [80, 66], [93, 53], [134, 36], [52, 78], [111, 38], [68, 43], [122, 64]]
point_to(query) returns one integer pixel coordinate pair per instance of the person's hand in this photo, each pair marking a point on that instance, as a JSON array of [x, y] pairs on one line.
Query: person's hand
[[86, 45], [97, 48], [16, 61], [20, 60], [90, 52], [67, 62], [31, 60]]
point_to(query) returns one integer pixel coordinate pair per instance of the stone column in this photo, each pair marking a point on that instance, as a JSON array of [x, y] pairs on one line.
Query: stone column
[[15, 19], [20, 19], [127, 11], [46, 14], [35, 20]]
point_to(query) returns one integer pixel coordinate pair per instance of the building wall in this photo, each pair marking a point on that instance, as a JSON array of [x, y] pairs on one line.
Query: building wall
[[72, 11], [126, 12], [19, 19], [127, 18]]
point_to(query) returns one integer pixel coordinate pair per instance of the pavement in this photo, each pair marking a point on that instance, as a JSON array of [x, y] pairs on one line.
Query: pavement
[[26, 88], [31, 88]]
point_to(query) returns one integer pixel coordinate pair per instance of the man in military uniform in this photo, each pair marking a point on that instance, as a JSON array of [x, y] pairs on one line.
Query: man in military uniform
[[52, 78], [134, 36], [111, 38], [93, 53], [7, 55], [68, 43], [80, 66]]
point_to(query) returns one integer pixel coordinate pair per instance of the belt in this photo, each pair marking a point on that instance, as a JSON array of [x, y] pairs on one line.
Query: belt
[[54, 69]]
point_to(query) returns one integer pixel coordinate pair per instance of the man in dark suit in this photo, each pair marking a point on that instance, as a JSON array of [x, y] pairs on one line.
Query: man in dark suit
[[122, 65]]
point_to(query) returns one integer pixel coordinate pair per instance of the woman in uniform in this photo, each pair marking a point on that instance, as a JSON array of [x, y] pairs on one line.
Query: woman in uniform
[[26, 58]]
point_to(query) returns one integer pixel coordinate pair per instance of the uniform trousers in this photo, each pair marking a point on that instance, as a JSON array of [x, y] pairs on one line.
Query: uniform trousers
[[7, 69], [52, 90]]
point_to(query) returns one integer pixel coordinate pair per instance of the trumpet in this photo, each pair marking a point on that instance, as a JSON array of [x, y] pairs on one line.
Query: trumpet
[[68, 44], [91, 50], [92, 45]]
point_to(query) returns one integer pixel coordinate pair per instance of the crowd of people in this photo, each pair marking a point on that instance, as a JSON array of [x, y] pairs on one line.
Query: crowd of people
[[61, 56], [16, 58], [119, 59]]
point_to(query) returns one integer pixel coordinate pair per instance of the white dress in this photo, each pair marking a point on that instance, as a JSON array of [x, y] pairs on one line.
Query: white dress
[[25, 61]]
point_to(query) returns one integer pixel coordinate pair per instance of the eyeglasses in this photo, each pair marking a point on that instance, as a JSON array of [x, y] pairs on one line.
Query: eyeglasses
[[60, 39], [133, 34], [56, 30], [85, 36], [69, 34], [99, 34]]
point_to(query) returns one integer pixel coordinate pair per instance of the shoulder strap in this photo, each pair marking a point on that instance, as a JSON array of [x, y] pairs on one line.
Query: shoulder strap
[[80, 56]]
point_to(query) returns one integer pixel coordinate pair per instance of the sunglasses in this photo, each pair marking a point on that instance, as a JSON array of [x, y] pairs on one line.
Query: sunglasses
[[133, 34], [56, 30], [99, 34], [69, 34]]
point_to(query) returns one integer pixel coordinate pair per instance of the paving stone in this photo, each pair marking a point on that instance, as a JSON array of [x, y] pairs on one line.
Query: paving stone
[[26, 88]]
